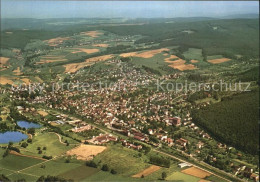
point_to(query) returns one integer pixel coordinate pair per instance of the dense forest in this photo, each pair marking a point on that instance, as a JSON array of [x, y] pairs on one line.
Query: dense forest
[[236, 36], [234, 120]]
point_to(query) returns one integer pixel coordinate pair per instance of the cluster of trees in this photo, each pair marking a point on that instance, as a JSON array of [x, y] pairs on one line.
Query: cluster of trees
[[103, 168], [233, 120], [10, 147], [160, 161], [90, 133], [3, 178], [16, 115], [4, 127], [53, 179], [151, 70], [47, 157]]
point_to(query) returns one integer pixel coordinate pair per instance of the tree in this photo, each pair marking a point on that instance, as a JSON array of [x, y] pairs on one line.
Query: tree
[[164, 175], [10, 144], [105, 167], [113, 171], [91, 164], [6, 153], [52, 179], [24, 144], [31, 131]]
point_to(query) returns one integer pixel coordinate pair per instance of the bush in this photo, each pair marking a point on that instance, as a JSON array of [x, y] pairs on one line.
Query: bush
[[164, 175], [14, 149], [47, 157], [24, 144], [113, 171], [6, 153], [52, 179], [3, 178], [91, 164], [105, 167]]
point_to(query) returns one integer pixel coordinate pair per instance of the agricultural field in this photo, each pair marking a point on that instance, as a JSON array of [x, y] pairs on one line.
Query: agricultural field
[[179, 176], [80, 173], [86, 152]]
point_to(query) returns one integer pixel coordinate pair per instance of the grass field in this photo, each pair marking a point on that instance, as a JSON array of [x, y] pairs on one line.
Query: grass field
[[15, 163], [48, 140], [53, 167], [123, 160], [19, 176], [106, 176], [214, 179], [79, 173], [157, 175], [179, 176], [193, 53]]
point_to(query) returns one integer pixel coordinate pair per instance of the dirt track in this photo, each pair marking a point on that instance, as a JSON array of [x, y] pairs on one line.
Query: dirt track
[[22, 155]]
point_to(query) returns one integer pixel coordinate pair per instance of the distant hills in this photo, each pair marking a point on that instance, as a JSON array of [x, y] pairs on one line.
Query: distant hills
[[31, 23], [241, 16]]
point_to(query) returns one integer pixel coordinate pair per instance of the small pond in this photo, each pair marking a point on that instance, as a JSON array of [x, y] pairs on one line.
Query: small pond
[[26, 124], [12, 136]]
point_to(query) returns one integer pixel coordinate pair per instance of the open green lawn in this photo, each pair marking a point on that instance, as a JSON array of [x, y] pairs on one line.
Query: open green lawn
[[193, 53], [107, 176], [53, 167], [19, 176], [79, 173], [214, 57], [49, 140], [179, 176], [157, 175], [214, 178], [123, 160], [6, 171], [14, 162]]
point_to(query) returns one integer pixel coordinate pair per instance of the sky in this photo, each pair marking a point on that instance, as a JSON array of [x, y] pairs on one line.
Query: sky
[[124, 9]]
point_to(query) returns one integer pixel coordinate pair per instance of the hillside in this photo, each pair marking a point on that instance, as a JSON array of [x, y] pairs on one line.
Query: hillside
[[233, 120]]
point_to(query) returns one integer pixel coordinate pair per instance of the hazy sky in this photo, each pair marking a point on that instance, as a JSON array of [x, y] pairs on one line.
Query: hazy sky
[[128, 9]]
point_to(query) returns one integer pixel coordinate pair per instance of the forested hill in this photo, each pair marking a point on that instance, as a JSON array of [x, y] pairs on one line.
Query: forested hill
[[233, 120]]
